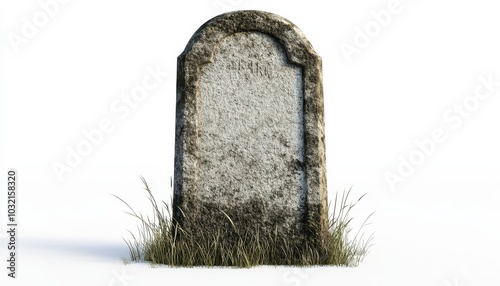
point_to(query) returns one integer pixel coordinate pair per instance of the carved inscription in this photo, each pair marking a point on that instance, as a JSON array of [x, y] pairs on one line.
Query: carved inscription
[[249, 67]]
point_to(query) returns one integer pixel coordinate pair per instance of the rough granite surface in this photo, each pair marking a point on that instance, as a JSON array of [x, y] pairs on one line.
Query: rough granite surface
[[250, 131]]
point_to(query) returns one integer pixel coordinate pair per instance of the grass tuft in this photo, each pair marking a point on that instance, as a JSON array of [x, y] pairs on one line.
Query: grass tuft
[[158, 241]]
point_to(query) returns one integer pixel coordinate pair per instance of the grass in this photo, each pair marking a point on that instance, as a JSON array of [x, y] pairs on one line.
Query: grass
[[160, 241]]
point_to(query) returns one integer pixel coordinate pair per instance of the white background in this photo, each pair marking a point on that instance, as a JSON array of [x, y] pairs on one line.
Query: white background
[[439, 226]]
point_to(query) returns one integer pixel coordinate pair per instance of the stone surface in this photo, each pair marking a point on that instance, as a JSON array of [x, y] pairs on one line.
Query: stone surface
[[250, 131]]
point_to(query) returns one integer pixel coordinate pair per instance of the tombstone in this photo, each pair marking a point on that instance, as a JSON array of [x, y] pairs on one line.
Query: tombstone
[[249, 145]]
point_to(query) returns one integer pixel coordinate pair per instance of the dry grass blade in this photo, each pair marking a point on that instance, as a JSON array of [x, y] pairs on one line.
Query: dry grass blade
[[158, 241]]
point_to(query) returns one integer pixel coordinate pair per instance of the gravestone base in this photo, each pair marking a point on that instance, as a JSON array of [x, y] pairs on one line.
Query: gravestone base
[[249, 226], [277, 245]]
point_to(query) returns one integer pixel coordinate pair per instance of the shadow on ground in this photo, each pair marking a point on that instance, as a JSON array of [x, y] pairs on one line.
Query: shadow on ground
[[106, 250]]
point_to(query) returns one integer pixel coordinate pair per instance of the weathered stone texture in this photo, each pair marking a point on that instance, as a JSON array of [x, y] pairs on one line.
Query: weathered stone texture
[[250, 130]]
